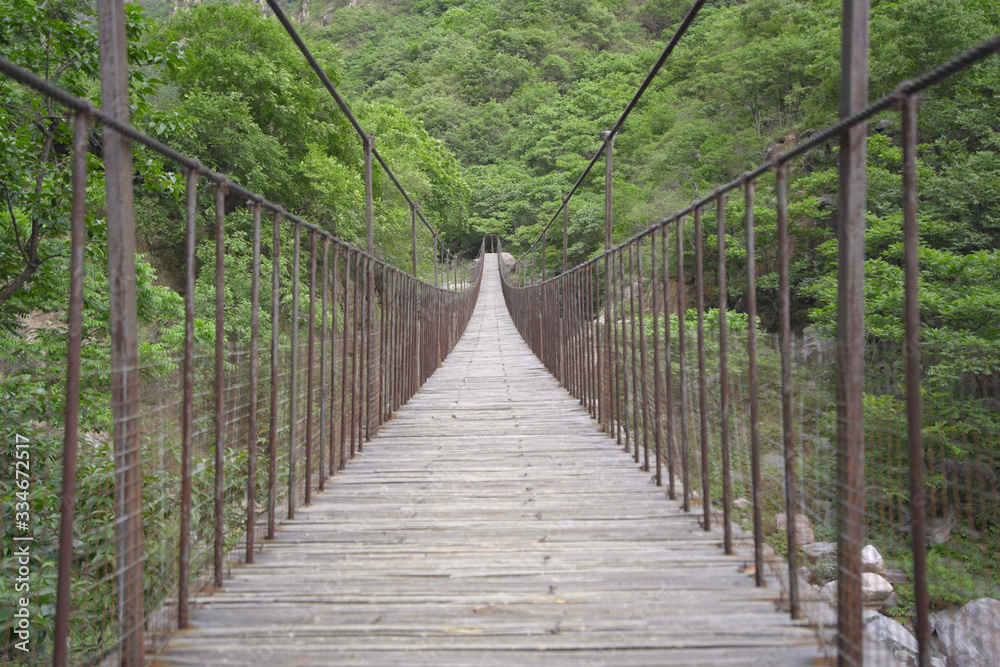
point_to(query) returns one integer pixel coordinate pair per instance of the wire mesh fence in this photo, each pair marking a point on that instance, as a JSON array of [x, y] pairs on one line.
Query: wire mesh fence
[[287, 351], [890, 506]]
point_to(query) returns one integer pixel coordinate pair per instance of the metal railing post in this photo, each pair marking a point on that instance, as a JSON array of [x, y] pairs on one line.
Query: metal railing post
[[293, 399], [74, 342], [850, 332], [218, 546], [413, 237], [918, 493], [187, 410], [785, 336], [124, 333], [254, 379], [752, 389], [310, 368], [727, 494], [272, 435]]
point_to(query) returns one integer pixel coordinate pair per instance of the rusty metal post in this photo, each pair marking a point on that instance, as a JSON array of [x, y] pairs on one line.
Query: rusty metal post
[[657, 383], [187, 411], [636, 420], [322, 366], [727, 493], [363, 367], [543, 347], [369, 146], [220, 379], [369, 356], [390, 320], [272, 434], [383, 330], [758, 520], [413, 237], [850, 333], [614, 368], [668, 367], [293, 412], [591, 347], [334, 463], [785, 336], [254, 380], [642, 360], [682, 363], [74, 342], [565, 247], [609, 149], [628, 424], [699, 276], [354, 355], [124, 333], [563, 342], [343, 367], [918, 493], [577, 346], [310, 369]]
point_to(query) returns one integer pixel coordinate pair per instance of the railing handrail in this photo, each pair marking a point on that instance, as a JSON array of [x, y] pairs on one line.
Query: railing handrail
[[616, 128], [85, 107], [910, 87], [362, 133]]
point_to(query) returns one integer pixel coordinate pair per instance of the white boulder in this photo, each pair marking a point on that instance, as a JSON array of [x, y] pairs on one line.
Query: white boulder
[[887, 642], [971, 636], [872, 561], [875, 590], [803, 527], [818, 551]]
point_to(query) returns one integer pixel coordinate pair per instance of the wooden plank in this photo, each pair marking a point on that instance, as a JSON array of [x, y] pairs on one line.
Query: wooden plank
[[492, 523]]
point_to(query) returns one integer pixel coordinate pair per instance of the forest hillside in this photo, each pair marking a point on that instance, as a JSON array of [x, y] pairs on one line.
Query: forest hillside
[[487, 111]]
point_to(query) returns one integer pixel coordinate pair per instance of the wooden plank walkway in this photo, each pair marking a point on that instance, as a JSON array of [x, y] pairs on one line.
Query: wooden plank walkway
[[492, 523]]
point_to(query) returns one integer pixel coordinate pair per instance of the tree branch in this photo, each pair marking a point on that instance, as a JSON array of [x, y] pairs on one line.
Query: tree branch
[[13, 220]]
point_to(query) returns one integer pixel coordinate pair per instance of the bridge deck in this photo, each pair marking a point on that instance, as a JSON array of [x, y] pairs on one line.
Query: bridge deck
[[491, 523]]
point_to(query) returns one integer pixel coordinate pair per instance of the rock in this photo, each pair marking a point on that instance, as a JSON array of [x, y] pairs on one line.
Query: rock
[[885, 637], [872, 561], [803, 528], [882, 125], [891, 602], [818, 551], [825, 203], [939, 529], [773, 460], [894, 576], [829, 593], [972, 635], [805, 576], [818, 611], [875, 590], [780, 145], [741, 503]]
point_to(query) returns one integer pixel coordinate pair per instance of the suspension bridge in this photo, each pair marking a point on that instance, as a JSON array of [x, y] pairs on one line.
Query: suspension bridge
[[511, 463], [491, 522]]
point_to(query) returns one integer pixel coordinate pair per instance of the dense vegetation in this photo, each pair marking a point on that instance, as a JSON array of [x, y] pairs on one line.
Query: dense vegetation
[[487, 110]]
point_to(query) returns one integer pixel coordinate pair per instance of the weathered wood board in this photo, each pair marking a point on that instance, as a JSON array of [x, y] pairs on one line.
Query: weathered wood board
[[492, 523]]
